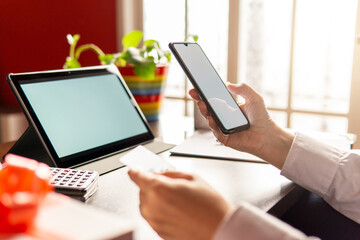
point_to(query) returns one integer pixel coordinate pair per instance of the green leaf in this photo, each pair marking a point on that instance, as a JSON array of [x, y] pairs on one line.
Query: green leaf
[[167, 55], [149, 42], [149, 45], [143, 59], [192, 37], [145, 70], [76, 37], [120, 62], [72, 40], [132, 39], [72, 63], [107, 58], [119, 59], [133, 56]]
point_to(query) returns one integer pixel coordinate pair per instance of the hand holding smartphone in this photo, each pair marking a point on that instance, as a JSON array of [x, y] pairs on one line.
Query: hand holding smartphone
[[211, 89]]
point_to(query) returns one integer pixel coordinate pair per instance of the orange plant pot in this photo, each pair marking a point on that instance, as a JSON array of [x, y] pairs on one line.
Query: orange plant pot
[[148, 93]]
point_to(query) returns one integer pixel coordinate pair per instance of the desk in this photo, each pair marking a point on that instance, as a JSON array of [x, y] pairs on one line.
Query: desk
[[258, 183]]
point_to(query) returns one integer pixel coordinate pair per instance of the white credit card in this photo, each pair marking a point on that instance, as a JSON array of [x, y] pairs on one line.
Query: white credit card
[[140, 158]]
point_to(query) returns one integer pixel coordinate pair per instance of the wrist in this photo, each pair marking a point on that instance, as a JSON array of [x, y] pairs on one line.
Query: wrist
[[276, 144], [226, 216]]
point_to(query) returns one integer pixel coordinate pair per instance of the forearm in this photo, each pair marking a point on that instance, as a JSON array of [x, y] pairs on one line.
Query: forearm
[[329, 172], [248, 222]]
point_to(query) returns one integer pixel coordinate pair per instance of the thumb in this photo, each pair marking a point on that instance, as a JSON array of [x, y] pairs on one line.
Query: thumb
[[174, 174], [142, 179], [243, 90]]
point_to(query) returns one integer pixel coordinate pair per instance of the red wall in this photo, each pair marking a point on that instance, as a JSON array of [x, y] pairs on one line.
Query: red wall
[[33, 35]]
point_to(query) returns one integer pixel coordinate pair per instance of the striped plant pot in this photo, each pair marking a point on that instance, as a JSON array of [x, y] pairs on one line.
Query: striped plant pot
[[148, 93]]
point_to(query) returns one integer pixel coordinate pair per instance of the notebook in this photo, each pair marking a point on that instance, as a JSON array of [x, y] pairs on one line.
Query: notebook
[[80, 118]]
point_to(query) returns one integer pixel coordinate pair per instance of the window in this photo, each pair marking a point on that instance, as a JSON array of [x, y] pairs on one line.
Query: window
[[175, 20], [300, 59], [297, 54]]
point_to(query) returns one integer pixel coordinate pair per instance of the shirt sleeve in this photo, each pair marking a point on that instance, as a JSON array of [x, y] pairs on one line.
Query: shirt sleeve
[[250, 223], [331, 173]]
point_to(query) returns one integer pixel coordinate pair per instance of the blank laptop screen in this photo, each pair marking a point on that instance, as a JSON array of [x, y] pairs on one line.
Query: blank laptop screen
[[83, 113]]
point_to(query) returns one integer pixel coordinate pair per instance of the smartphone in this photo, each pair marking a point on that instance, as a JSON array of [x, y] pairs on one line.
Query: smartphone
[[211, 89]]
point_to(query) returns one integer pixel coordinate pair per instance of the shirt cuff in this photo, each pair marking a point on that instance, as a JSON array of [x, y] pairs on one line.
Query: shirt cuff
[[249, 222], [311, 164]]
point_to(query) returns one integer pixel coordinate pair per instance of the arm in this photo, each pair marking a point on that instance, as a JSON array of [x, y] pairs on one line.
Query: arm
[[322, 169], [248, 222], [331, 173], [179, 205], [183, 206]]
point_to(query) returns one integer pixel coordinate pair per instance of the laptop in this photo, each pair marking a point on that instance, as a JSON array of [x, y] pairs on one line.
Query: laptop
[[82, 118]]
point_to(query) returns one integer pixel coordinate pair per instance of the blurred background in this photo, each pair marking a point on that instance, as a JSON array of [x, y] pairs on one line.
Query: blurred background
[[302, 56]]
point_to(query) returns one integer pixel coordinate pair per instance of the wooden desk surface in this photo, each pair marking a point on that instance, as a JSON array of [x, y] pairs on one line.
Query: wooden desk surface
[[258, 183]]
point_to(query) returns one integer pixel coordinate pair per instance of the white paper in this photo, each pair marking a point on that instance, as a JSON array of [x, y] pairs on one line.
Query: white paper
[[204, 144], [140, 158]]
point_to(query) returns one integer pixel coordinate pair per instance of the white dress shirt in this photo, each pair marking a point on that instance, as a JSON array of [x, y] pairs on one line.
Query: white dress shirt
[[329, 172]]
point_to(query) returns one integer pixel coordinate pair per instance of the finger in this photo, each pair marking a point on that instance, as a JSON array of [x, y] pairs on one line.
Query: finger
[[165, 229], [175, 174], [160, 229], [202, 108], [212, 124], [144, 210], [216, 131], [194, 94], [142, 179], [243, 90], [143, 196]]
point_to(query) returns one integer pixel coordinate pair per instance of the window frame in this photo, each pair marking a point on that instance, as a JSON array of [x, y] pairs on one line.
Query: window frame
[[354, 108]]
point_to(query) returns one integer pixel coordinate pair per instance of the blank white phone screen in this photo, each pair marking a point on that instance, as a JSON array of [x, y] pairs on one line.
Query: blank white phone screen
[[83, 113], [211, 85]]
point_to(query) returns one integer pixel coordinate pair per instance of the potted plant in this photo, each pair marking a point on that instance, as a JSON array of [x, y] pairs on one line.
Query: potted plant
[[143, 69]]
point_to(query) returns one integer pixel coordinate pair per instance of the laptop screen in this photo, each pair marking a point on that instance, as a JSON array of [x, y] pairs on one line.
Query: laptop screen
[[86, 112], [82, 116]]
